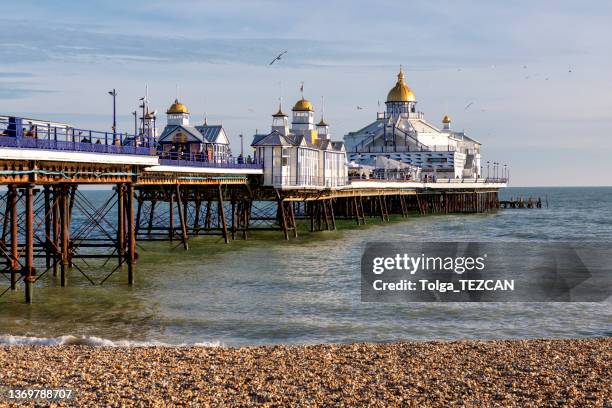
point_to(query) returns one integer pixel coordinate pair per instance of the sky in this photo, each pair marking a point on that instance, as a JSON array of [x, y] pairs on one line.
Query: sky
[[537, 76]]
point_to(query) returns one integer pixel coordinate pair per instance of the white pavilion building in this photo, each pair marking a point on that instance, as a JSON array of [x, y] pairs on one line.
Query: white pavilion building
[[401, 133], [302, 155]]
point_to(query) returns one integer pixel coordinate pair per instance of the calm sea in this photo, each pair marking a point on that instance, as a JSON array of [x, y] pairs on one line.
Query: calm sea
[[266, 290]]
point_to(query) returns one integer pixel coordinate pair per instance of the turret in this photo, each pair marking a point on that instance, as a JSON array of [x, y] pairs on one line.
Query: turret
[[280, 122], [323, 130], [178, 114], [446, 121], [400, 98]]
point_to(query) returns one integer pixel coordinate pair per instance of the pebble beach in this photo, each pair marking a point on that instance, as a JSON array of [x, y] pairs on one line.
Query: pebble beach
[[421, 374]]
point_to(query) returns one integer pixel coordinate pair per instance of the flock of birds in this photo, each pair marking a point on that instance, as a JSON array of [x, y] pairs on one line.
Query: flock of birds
[[280, 55]]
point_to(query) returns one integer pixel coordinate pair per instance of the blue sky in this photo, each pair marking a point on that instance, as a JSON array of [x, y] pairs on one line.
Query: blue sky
[[511, 59]]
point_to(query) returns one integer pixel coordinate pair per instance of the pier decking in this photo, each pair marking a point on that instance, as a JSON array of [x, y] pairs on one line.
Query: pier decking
[[50, 226]]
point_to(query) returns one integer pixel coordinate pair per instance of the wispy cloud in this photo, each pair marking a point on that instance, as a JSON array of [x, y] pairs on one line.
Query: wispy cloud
[[19, 92]]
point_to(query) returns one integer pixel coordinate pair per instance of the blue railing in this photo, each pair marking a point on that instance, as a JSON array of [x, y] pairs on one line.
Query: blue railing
[[202, 160], [36, 134], [33, 134]]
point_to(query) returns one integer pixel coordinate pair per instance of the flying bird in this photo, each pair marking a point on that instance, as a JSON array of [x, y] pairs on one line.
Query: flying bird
[[360, 108], [468, 105], [278, 57]]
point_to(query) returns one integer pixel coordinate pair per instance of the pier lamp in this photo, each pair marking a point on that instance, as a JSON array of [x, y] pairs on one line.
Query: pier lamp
[[113, 93], [241, 146], [505, 172], [487, 169], [135, 113]]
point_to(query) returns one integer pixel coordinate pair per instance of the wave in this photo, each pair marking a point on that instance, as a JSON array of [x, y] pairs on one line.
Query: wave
[[93, 341]]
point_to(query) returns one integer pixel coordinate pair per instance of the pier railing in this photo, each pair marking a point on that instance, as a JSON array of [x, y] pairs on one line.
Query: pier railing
[[402, 149], [308, 181], [430, 179], [202, 160], [30, 134]]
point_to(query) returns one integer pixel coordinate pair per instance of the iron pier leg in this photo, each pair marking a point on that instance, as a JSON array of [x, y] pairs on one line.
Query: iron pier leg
[[222, 214], [65, 233], [121, 223], [29, 271], [131, 258], [171, 221], [47, 197], [13, 198], [56, 227], [181, 213]]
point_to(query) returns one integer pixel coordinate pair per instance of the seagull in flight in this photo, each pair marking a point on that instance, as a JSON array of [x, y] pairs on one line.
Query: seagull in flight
[[359, 107], [278, 57], [468, 105]]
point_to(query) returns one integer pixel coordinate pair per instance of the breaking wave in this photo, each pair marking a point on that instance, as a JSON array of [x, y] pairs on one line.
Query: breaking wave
[[93, 341]]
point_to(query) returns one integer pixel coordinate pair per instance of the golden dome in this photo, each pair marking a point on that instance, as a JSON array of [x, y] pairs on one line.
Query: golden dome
[[322, 122], [446, 119], [400, 92], [177, 107], [303, 105]]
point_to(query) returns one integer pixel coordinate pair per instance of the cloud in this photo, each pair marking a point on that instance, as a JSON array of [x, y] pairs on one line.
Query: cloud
[[16, 91]]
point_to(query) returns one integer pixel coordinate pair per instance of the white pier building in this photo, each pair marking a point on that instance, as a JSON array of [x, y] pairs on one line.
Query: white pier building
[[401, 133], [303, 156]]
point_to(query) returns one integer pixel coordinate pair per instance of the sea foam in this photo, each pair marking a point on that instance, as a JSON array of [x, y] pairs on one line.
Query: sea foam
[[67, 340]]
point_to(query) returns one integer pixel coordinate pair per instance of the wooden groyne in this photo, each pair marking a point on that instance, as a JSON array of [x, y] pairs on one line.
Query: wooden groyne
[[521, 202]]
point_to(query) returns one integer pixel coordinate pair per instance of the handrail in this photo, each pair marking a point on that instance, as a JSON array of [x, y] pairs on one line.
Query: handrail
[[203, 160], [16, 133], [317, 181]]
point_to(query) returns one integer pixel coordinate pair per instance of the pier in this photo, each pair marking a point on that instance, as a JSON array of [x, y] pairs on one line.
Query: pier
[[50, 227]]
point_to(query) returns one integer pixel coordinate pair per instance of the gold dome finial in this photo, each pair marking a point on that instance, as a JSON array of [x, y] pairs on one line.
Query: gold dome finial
[[446, 119], [401, 92]]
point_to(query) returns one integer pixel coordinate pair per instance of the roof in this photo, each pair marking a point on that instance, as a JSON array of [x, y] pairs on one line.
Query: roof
[[193, 135], [273, 139], [213, 133]]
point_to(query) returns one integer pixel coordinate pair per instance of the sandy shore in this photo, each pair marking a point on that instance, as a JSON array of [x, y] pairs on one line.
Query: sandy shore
[[467, 373]]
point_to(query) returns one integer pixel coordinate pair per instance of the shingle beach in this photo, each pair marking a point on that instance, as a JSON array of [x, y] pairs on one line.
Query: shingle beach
[[467, 373]]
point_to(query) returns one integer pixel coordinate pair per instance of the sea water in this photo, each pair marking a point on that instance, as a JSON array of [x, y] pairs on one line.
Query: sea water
[[267, 290]]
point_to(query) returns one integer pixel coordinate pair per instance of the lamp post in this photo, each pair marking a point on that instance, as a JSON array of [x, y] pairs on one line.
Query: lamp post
[[113, 93], [135, 113], [487, 169], [241, 146], [505, 171]]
